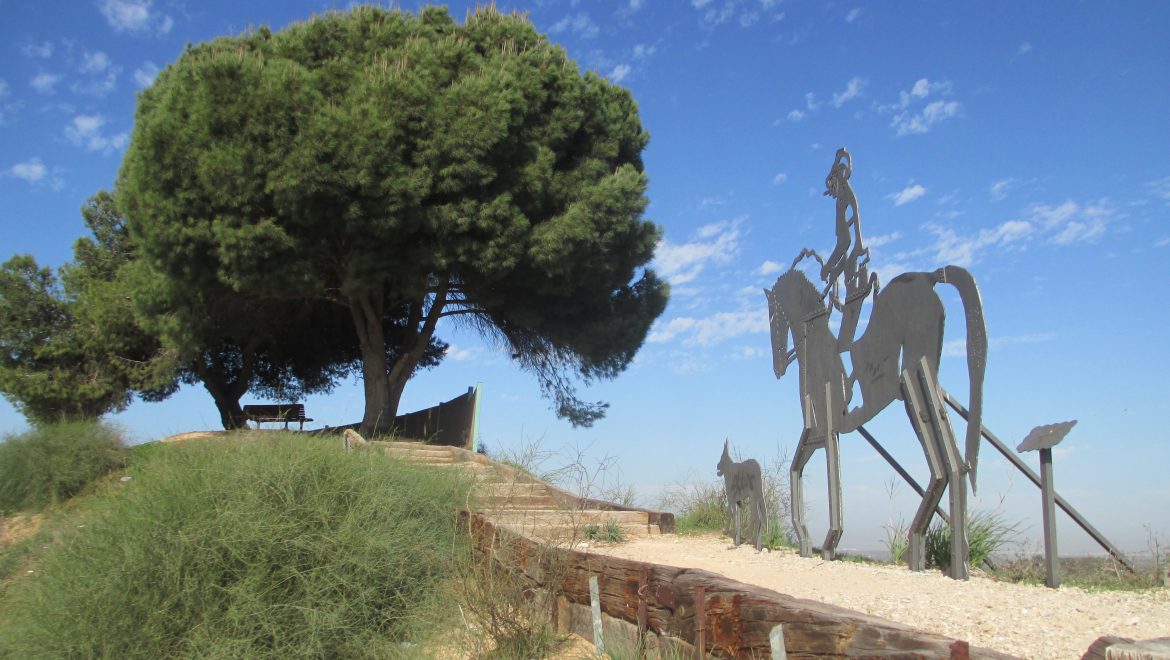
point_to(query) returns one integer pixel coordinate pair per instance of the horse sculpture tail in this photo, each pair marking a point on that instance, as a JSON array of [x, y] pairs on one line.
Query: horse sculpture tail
[[976, 356]]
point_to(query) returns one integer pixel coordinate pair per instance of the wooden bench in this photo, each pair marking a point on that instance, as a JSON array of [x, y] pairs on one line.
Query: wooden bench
[[283, 412]]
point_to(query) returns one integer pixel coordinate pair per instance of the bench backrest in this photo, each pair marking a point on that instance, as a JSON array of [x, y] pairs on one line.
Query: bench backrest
[[291, 411]]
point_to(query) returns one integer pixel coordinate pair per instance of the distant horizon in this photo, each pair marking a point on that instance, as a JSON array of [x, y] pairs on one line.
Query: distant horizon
[[1010, 139]]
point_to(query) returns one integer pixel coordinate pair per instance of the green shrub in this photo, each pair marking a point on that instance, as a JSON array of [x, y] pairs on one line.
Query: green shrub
[[52, 463], [273, 547], [987, 533], [699, 507]]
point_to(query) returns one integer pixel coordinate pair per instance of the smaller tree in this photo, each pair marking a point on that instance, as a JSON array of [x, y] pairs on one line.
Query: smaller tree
[[70, 348], [46, 371]]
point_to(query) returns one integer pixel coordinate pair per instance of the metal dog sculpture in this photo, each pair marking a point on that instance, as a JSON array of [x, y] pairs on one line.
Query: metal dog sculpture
[[743, 484]]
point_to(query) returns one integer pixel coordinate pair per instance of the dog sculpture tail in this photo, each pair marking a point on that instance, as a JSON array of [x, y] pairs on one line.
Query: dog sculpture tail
[[962, 280]]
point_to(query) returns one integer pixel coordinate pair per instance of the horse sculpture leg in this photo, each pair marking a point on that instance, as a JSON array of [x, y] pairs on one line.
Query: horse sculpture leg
[[920, 420], [804, 451], [956, 475], [833, 467]]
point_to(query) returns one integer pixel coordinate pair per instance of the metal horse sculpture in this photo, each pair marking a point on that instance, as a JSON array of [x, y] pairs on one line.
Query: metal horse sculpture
[[743, 484], [896, 358]]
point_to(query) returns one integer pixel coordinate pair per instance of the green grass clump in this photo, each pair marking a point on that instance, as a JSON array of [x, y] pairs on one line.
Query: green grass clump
[[50, 464], [700, 507], [280, 546], [987, 533]]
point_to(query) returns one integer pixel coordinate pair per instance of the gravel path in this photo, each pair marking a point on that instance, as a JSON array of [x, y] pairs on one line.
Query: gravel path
[[1025, 620]]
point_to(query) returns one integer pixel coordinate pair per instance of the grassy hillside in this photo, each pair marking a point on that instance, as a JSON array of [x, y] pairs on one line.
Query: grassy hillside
[[269, 545]]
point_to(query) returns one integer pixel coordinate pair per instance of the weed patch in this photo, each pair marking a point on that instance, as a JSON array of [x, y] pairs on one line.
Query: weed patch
[[246, 547], [50, 464]]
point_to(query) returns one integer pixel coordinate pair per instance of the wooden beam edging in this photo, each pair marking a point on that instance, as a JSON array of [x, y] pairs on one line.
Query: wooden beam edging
[[739, 617]]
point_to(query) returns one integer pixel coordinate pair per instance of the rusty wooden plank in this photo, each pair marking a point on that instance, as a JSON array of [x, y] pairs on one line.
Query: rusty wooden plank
[[739, 617]]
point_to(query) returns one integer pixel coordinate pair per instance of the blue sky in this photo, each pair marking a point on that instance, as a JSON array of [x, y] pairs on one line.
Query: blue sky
[[1026, 143]]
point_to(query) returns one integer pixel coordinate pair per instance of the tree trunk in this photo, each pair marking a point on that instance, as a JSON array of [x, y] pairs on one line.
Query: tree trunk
[[231, 415], [227, 393], [412, 354], [380, 410]]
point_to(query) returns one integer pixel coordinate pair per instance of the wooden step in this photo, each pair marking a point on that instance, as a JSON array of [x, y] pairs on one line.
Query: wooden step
[[562, 516], [425, 456], [580, 533]]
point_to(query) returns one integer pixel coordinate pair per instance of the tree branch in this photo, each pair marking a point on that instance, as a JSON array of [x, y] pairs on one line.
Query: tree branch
[[464, 310]]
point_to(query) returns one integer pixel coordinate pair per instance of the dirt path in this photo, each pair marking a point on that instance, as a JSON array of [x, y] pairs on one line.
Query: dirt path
[[1025, 620]]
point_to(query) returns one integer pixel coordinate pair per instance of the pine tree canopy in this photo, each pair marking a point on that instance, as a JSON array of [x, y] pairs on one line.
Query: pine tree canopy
[[407, 168]]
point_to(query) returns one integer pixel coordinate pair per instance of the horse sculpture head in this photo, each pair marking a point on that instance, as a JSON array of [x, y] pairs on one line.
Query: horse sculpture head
[[791, 300], [779, 330]]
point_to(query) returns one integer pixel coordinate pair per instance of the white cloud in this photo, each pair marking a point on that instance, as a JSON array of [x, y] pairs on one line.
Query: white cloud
[[144, 75], [1024, 48], [958, 347], [769, 267], [635, 5], [795, 115], [748, 353], [779, 178], [883, 239], [135, 16], [908, 122], [1160, 188], [579, 24], [86, 131], [643, 51], [1061, 225], [102, 75], [97, 62], [43, 50], [1000, 188], [852, 90], [711, 330], [921, 89], [749, 18], [45, 83], [713, 229], [853, 14], [31, 170], [713, 244], [1072, 223], [907, 194], [699, 4], [7, 107], [952, 248], [810, 101], [713, 16], [34, 172], [918, 124], [619, 73]]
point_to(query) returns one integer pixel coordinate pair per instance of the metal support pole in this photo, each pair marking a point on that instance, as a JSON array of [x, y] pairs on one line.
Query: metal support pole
[[1060, 501], [700, 622], [776, 640], [1051, 558], [643, 615], [901, 471], [595, 606]]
